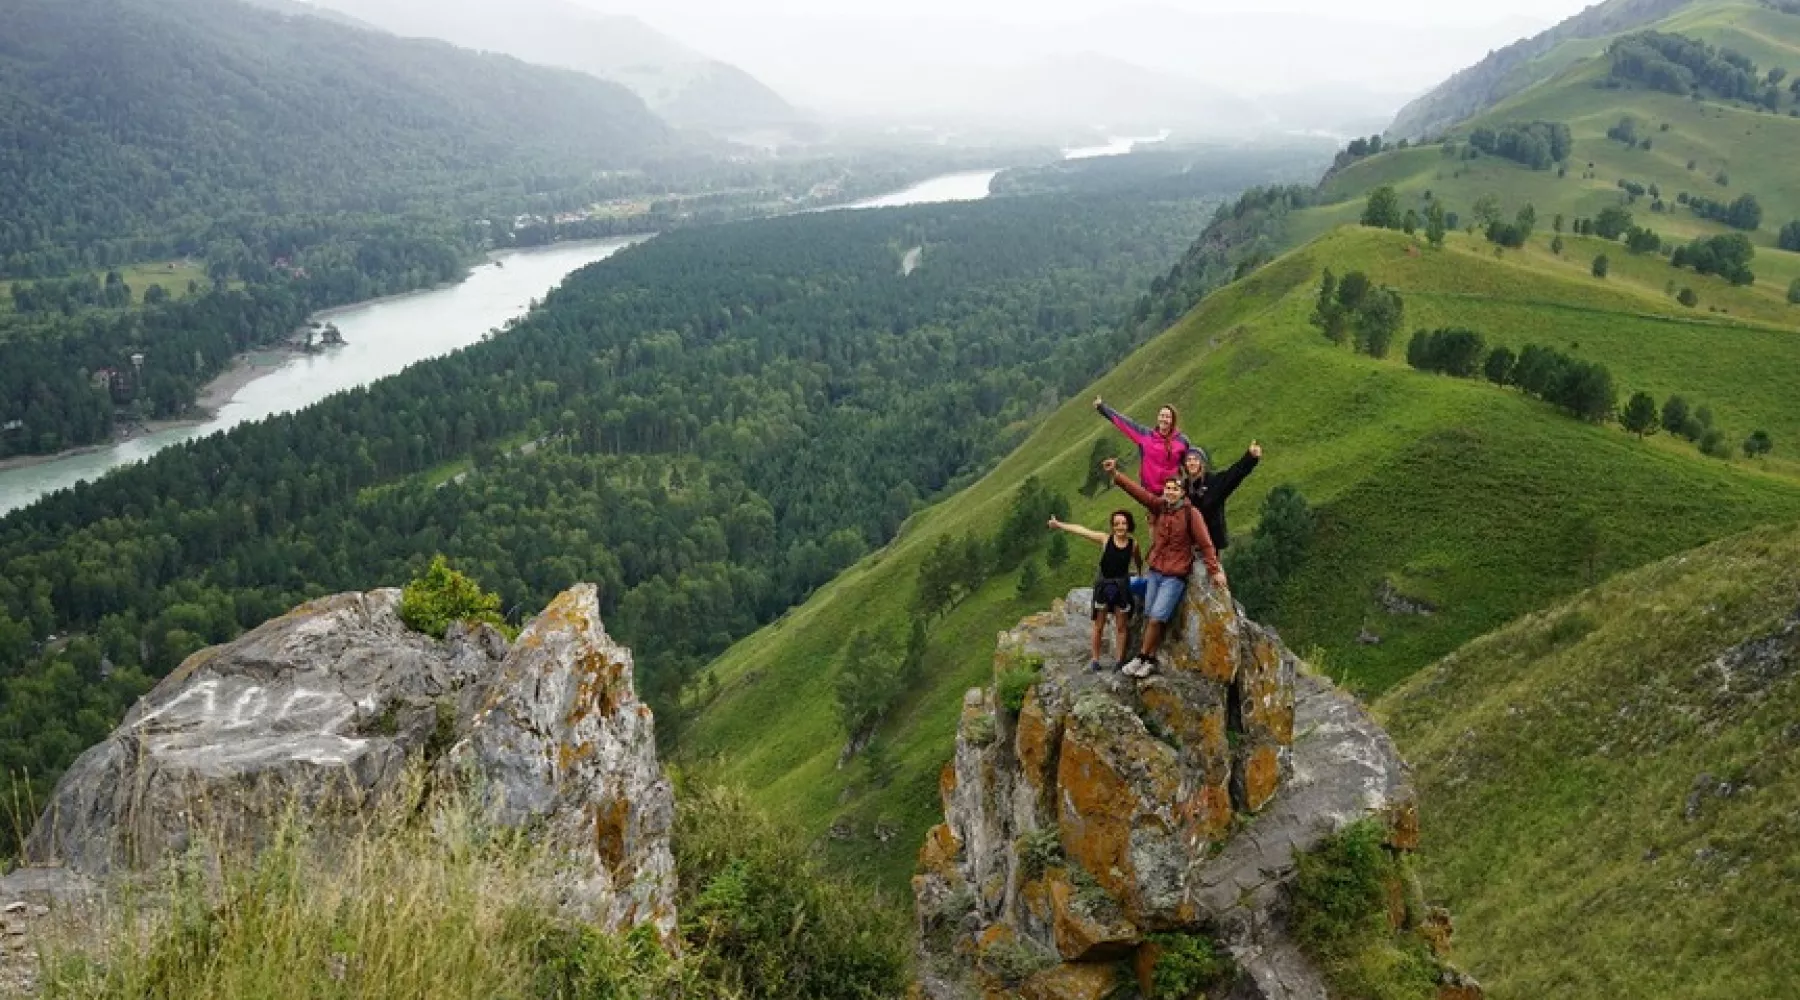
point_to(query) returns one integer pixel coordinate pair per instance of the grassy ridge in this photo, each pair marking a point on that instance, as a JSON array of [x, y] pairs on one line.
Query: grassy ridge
[[1472, 496], [1567, 819], [1755, 149]]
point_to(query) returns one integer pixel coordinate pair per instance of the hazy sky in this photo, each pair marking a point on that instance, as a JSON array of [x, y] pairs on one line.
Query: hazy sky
[[840, 52]]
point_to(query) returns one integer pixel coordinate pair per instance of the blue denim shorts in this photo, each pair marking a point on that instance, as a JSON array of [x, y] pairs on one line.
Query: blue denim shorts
[[1164, 596]]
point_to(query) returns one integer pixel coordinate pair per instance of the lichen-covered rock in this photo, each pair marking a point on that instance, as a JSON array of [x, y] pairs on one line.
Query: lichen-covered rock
[[1173, 803], [563, 745], [320, 713], [1070, 982]]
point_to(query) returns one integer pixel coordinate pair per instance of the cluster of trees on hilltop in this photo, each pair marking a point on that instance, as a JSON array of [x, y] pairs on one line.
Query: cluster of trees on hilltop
[[1789, 238], [1360, 148], [1677, 64], [1743, 212], [1539, 145], [724, 420], [1584, 389], [1693, 423], [1728, 256], [1353, 309]]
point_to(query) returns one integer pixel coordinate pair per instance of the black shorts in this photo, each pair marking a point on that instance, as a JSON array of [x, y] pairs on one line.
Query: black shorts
[[1111, 595]]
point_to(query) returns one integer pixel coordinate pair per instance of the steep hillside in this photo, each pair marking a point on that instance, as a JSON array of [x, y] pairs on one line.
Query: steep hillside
[[1611, 786], [125, 118], [686, 87], [1523, 64], [1473, 497]]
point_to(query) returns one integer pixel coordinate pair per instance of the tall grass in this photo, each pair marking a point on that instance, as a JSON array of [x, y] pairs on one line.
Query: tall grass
[[427, 902]]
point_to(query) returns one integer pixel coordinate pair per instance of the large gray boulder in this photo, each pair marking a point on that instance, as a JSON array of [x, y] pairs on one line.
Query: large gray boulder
[[321, 713]]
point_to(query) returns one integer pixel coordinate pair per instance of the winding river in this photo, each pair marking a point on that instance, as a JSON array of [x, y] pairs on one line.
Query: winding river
[[385, 336]]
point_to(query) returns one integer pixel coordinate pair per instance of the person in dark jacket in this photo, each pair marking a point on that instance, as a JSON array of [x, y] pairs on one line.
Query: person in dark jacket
[[1208, 490], [1112, 587], [1179, 531]]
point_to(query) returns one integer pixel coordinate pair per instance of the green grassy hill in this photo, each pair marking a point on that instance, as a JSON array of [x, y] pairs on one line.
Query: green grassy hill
[[1611, 796], [1692, 144], [1484, 502]]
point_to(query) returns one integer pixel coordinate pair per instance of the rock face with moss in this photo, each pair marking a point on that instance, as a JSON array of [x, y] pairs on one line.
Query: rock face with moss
[[1102, 832], [322, 713]]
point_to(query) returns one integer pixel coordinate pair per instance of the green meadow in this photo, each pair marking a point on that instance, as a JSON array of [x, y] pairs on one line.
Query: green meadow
[[1484, 502], [1609, 810]]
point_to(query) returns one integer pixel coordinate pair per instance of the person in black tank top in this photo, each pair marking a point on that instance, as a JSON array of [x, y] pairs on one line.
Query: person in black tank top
[[1112, 589]]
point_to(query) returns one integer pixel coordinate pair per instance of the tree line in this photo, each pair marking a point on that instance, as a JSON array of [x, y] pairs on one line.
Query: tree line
[[1539, 145], [1582, 389], [1680, 65]]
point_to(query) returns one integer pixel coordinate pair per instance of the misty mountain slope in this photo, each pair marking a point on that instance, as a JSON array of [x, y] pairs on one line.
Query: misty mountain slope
[[1524, 63], [1610, 787], [687, 88], [1474, 498], [123, 116]]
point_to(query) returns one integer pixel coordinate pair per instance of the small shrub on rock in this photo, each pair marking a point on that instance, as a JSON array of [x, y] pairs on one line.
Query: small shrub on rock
[[442, 595], [1017, 681], [1186, 967]]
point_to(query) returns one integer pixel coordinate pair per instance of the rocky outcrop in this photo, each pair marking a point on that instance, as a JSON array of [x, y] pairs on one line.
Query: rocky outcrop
[[1101, 811], [561, 744], [322, 712]]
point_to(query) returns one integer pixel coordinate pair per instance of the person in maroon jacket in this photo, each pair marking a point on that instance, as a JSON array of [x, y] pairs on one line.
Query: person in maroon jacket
[[1179, 530]]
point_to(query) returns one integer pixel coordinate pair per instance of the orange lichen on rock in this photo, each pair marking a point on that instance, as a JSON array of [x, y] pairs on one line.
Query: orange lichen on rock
[[1086, 936], [940, 852], [1070, 982], [1261, 777], [1037, 742], [1112, 782], [1403, 825], [612, 821]]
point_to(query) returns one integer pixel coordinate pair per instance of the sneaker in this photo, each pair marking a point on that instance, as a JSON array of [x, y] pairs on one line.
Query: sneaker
[[1142, 667], [1130, 667], [1094, 665]]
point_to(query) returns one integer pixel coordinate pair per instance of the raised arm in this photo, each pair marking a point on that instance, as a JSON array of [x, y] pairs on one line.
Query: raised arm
[[1151, 503], [1234, 477], [1138, 433], [1078, 531]]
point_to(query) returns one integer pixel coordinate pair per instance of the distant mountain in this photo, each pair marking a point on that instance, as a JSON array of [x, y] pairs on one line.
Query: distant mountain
[[1512, 69], [1340, 109], [1080, 91], [687, 88], [124, 118]]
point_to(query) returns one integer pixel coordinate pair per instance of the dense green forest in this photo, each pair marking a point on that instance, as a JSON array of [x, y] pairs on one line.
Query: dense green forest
[[303, 164], [1177, 172], [724, 419], [139, 129]]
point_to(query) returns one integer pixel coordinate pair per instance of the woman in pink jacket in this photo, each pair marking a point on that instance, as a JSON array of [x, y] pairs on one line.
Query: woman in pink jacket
[[1159, 449]]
